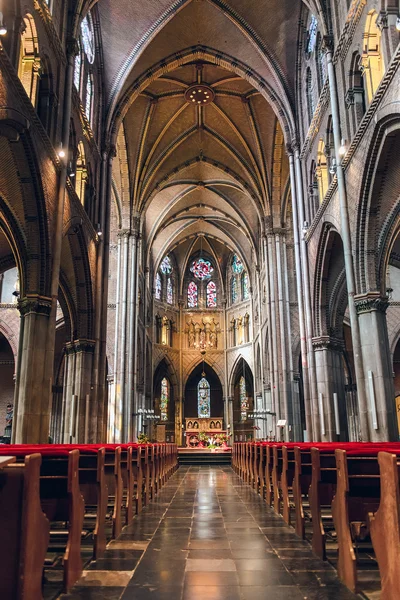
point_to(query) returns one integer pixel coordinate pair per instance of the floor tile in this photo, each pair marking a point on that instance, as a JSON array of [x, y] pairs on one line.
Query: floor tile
[[209, 565], [211, 593], [93, 593]]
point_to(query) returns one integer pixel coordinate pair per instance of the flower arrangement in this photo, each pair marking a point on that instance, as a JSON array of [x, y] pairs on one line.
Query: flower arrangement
[[142, 438]]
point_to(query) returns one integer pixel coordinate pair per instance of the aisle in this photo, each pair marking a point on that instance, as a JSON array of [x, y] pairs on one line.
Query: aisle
[[208, 536]]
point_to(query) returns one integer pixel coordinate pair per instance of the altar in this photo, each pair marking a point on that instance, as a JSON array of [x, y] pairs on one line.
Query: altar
[[212, 428]]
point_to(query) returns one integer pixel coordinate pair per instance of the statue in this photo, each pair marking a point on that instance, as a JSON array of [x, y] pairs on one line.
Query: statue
[[191, 333], [203, 335]]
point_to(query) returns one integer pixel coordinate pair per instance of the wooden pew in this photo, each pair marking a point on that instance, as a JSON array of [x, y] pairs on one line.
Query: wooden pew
[[357, 494], [385, 526], [60, 498], [24, 530]]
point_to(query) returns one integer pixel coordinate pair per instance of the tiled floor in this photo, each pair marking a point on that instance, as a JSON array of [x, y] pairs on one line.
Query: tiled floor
[[208, 536]]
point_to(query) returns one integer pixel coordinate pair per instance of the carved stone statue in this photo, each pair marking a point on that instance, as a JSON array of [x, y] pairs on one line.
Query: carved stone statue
[[203, 335]]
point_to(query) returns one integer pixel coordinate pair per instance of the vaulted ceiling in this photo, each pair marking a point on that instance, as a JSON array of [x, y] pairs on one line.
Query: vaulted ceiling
[[217, 166]]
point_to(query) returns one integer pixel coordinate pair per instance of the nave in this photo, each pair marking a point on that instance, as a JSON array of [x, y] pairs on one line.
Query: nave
[[208, 536]]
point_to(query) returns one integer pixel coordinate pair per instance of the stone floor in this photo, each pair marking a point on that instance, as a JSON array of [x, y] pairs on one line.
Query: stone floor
[[208, 536]]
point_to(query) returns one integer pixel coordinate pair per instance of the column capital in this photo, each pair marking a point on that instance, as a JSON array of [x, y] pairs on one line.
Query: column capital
[[124, 233], [327, 342], [371, 301], [327, 43], [33, 303], [85, 345]]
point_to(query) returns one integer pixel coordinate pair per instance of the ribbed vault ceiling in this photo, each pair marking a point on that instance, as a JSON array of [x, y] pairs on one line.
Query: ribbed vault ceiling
[[214, 170]]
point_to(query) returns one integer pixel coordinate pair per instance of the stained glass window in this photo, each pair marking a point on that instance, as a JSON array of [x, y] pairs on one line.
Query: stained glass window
[[89, 98], [203, 399], [77, 69], [170, 295], [245, 286], [323, 73], [88, 38], [158, 286], [166, 266], [202, 269], [192, 295], [312, 34], [211, 295], [237, 265], [234, 290], [243, 398], [164, 399]]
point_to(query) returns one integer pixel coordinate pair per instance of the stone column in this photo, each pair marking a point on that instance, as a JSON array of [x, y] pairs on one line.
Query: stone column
[[130, 431], [272, 322], [83, 389], [78, 383], [121, 400], [230, 418], [300, 298], [330, 381], [378, 370], [280, 235], [35, 371]]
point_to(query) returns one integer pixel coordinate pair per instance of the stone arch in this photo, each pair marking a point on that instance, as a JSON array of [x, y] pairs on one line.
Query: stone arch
[[80, 281], [372, 63], [29, 59], [378, 219], [330, 290]]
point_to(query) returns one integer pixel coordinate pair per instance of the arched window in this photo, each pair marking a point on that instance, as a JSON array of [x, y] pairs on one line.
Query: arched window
[[237, 265], [29, 61], [170, 294], [164, 400], [234, 290], [211, 295], [310, 95], [372, 63], [166, 266], [321, 64], [203, 399], [89, 98], [245, 286], [78, 69], [81, 173], [87, 34], [322, 171], [243, 398], [192, 295], [158, 287], [312, 34]]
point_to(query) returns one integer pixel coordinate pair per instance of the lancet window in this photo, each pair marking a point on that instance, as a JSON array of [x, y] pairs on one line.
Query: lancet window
[[164, 399], [158, 287], [204, 399], [170, 293], [202, 287], [239, 281], [243, 398], [211, 294], [192, 295], [164, 282]]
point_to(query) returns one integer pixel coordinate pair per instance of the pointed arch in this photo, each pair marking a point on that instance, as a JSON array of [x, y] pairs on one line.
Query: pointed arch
[[29, 59]]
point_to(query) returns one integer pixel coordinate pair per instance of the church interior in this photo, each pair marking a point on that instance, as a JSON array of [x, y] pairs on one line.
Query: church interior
[[200, 299]]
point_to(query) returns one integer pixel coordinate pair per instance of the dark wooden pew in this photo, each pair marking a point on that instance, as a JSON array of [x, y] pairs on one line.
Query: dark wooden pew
[[60, 498], [358, 493], [24, 531], [385, 526]]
